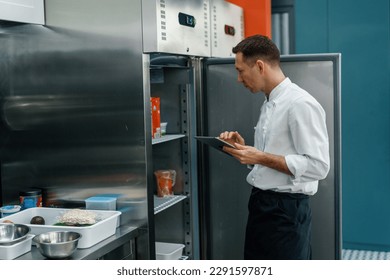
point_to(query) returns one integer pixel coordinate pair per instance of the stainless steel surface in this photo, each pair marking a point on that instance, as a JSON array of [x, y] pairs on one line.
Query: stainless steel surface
[[125, 251], [225, 17], [12, 233], [224, 189], [72, 104], [57, 244], [123, 235], [145, 242], [162, 31]]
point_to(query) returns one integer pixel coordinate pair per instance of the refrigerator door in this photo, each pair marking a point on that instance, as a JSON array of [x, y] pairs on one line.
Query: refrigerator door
[[226, 105], [320, 75]]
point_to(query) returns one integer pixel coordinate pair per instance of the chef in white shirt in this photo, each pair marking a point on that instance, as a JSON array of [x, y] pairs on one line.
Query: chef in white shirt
[[290, 155]]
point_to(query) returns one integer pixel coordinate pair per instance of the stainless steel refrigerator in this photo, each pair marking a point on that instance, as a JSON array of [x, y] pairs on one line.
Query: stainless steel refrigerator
[[225, 104], [72, 109]]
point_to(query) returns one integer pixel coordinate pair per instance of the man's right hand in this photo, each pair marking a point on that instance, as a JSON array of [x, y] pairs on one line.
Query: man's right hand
[[232, 137]]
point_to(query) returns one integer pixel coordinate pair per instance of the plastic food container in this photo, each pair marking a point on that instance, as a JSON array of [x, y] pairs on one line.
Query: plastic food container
[[9, 210], [132, 209], [91, 235], [165, 181], [169, 251], [30, 198], [163, 128], [10, 252], [100, 203]]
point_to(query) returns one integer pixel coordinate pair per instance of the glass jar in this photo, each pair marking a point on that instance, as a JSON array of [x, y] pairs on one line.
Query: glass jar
[[30, 198]]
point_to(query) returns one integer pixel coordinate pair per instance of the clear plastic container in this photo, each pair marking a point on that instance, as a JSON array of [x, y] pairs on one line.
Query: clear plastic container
[[169, 251], [165, 181], [100, 203]]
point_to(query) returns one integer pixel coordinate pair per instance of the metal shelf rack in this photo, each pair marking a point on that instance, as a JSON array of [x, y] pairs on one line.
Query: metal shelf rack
[[167, 138], [162, 203]]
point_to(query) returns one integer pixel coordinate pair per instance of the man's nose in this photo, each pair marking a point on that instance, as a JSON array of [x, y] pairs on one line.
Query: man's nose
[[239, 79]]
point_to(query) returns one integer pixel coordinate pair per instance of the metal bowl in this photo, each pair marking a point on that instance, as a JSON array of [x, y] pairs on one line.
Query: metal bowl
[[12, 233], [57, 244]]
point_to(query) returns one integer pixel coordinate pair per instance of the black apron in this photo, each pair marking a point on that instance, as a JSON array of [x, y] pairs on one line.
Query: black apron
[[278, 227]]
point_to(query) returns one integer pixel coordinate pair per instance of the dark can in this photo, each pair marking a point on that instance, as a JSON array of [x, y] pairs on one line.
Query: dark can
[[30, 198]]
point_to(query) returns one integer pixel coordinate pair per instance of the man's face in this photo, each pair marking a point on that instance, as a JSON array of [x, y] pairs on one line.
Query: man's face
[[248, 74]]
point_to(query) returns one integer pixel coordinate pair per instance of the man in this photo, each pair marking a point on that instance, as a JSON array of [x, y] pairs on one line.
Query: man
[[290, 155]]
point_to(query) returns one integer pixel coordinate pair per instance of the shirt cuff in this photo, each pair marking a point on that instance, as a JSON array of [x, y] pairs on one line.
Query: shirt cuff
[[297, 164]]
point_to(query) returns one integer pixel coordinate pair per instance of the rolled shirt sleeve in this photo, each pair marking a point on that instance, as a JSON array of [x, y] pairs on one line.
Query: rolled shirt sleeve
[[310, 138]]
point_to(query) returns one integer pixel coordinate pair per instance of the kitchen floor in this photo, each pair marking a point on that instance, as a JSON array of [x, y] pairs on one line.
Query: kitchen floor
[[364, 255]]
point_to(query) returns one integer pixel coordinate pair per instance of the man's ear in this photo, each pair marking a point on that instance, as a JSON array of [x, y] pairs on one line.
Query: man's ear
[[260, 65]]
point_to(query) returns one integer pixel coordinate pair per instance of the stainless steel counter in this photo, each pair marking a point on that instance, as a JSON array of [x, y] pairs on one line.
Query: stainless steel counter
[[124, 234]]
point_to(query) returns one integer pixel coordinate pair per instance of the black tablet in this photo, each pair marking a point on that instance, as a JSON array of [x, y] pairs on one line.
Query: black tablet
[[214, 142]]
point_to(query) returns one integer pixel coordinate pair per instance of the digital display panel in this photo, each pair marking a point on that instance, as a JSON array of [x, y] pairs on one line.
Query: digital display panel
[[230, 30], [187, 20]]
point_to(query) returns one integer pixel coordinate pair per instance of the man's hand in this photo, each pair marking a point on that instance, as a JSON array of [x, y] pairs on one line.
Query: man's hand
[[244, 154], [250, 155], [232, 137]]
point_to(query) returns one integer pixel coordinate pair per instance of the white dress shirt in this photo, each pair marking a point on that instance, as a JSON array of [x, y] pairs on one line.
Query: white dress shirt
[[292, 124]]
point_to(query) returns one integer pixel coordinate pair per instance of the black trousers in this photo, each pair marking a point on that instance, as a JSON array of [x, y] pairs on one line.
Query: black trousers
[[278, 227]]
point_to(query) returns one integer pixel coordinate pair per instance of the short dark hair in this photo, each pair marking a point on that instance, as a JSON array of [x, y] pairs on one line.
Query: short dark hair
[[258, 47]]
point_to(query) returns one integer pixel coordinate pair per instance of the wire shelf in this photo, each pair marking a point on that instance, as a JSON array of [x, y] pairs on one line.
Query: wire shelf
[[162, 203], [167, 138]]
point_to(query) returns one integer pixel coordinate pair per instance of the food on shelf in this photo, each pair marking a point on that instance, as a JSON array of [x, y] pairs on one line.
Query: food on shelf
[[165, 181]]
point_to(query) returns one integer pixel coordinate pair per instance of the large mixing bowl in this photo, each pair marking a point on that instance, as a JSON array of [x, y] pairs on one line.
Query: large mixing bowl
[[57, 244], [12, 233]]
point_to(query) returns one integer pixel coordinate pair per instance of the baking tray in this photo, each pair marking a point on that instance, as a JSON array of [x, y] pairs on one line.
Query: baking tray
[[91, 235]]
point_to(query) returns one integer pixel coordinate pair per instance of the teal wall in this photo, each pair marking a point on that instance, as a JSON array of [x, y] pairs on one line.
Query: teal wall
[[360, 31]]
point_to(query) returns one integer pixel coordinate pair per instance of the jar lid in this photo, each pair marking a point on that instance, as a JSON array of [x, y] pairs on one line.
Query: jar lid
[[10, 209], [30, 192]]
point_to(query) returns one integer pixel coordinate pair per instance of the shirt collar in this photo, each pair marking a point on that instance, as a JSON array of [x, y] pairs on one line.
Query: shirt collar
[[278, 90]]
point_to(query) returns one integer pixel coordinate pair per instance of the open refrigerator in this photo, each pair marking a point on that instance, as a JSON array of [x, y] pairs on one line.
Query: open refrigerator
[[176, 36], [196, 82]]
